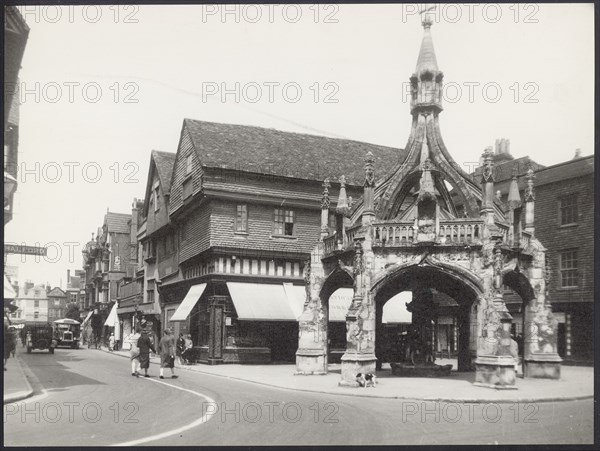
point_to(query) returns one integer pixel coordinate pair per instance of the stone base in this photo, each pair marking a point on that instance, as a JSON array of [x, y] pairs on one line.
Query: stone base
[[420, 370], [495, 371], [352, 364], [311, 362], [547, 367]]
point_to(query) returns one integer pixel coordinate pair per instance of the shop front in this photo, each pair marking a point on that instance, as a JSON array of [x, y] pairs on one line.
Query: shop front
[[239, 322]]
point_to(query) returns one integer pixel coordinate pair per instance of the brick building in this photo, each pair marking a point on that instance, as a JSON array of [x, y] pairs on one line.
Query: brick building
[[228, 231], [108, 258], [564, 222]]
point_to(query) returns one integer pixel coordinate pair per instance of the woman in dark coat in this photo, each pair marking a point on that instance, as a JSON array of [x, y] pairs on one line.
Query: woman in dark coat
[[167, 353], [145, 345]]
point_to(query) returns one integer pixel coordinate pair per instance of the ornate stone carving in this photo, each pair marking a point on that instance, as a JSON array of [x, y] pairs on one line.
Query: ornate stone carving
[[325, 201], [369, 171], [488, 167], [529, 191]]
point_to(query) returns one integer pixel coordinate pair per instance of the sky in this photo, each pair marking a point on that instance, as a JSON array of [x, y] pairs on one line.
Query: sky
[[102, 86]]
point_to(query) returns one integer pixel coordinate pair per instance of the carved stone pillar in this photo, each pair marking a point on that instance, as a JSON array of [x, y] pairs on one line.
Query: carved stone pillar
[[311, 357], [529, 203], [540, 356], [360, 320], [216, 329], [495, 366], [487, 200], [368, 215]]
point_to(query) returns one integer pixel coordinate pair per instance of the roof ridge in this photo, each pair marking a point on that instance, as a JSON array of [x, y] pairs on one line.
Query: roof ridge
[[258, 127]]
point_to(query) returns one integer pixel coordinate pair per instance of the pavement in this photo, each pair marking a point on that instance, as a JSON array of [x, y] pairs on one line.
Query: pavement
[[16, 385], [577, 382]]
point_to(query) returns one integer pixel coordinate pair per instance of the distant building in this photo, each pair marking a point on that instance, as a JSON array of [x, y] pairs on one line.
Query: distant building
[[76, 288], [57, 304], [32, 301], [108, 258]]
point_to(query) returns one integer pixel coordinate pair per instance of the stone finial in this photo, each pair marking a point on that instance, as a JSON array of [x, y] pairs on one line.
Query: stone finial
[[529, 191], [342, 206], [325, 201], [488, 166], [426, 20], [369, 170], [514, 198]]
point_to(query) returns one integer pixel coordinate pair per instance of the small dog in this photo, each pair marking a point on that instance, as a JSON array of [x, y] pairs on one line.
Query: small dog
[[366, 380]]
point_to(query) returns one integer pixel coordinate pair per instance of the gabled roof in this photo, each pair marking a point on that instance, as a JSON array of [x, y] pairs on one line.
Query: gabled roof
[[117, 222], [164, 162], [57, 292], [270, 151]]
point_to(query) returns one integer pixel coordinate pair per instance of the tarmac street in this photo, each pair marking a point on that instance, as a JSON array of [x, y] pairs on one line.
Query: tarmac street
[[88, 397]]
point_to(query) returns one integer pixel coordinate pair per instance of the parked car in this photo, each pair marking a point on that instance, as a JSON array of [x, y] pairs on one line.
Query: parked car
[[66, 332], [39, 336]]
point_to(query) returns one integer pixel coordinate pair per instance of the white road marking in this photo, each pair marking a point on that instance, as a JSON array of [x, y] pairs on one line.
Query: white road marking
[[201, 420]]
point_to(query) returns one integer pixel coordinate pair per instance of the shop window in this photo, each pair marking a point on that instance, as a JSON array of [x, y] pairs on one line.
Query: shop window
[[568, 269]]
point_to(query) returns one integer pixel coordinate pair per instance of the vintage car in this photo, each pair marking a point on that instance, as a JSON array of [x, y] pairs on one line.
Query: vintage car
[[67, 332], [39, 335]]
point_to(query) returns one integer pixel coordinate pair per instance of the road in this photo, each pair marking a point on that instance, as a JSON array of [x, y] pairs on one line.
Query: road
[[88, 397]]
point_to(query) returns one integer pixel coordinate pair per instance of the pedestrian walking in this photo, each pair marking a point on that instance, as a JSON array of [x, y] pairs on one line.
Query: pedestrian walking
[[145, 345], [111, 342], [187, 352], [180, 348], [135, 354], [167, 353]]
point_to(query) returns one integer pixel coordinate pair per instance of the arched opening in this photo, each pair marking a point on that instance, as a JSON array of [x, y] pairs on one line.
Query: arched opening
[[518, 294], [424, 281], [336, 295]]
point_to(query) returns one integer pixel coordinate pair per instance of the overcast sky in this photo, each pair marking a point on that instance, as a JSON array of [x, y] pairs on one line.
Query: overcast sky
[[103, 86]]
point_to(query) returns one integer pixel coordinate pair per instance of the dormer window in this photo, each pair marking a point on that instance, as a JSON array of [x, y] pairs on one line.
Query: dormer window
[[155, 197], [189, 164]]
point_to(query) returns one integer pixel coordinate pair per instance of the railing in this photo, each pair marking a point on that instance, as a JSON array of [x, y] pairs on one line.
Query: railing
[[455, 231], [460, 231]]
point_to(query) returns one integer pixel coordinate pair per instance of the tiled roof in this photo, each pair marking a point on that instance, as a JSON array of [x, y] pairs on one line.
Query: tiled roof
[[564, 171], [266, 150], [503, 171], [117, 222], [164, 162]]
